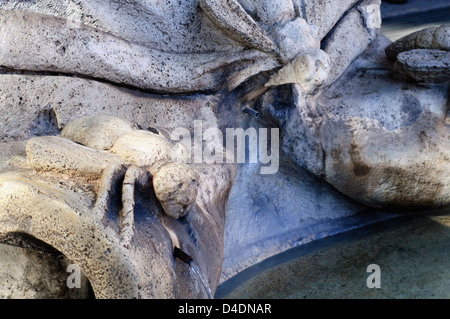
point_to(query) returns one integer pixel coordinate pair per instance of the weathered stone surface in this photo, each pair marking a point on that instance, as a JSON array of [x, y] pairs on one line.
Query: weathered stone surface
[[269, 12], [351, 33], [324, 13], [423, 65], [52, 153], [434, 38], [45, 104], [289, 45], [376, 139], [123, 268], [386, 153], [422, 56], [234, 20], [36, 42], [29, 274], [56, 217], [99, 132], [147, 149], [145, 23], [176, 187]]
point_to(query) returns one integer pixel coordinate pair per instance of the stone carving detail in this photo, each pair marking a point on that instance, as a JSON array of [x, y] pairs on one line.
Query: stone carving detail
[[91, 90], [423, 56]]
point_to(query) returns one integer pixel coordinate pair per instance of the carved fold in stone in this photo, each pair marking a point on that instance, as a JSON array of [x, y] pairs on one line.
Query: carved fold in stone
[[234, 20], [92, 53]]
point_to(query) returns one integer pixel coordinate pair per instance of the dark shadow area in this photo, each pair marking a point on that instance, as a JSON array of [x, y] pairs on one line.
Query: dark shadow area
[[32, 269]]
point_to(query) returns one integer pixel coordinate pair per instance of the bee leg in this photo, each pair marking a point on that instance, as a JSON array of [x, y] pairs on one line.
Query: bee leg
[[111, 175], [133, 176]]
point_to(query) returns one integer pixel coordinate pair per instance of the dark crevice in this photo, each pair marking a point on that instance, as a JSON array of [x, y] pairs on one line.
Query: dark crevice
[[44, 124], [5, 71], [27, 241]]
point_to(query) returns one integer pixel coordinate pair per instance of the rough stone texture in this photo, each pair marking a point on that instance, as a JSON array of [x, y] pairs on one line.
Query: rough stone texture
[[58, 212], [235, 21], [434, 38], [52, 215], [145, 148], [176, 187], [356, 41], [28, 274], [422, 56], [289, 46], [269, 12], [323, 14], [98, 132], [424, 65], [146, 23], [44, 104], [44, 43], [379, 140], [385, 153], [52, 153]]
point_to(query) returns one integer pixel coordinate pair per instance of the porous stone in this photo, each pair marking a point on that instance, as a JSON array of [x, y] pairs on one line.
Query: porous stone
[[423, 65], [145, 148], [352, 33], [99, 131], [146, 24], [293, 37], [30, 274], [46, 104], [53, 153], [384, 154], [433, 38], [269, 12], [375, 139], [89, 52], [323, 14], [58, 218], [176, 187], [234, 20]]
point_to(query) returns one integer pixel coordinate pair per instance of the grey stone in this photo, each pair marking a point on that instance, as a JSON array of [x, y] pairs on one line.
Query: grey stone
[[98, 132], [383, 154], [29, 274], [433, 38], [89, 52], [122, 204], [423, 65], [146, 24], [54, 101], [233, 19], [356, 41]]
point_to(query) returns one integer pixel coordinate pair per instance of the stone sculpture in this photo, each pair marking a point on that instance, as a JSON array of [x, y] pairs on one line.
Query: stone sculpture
[[90, 88]]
